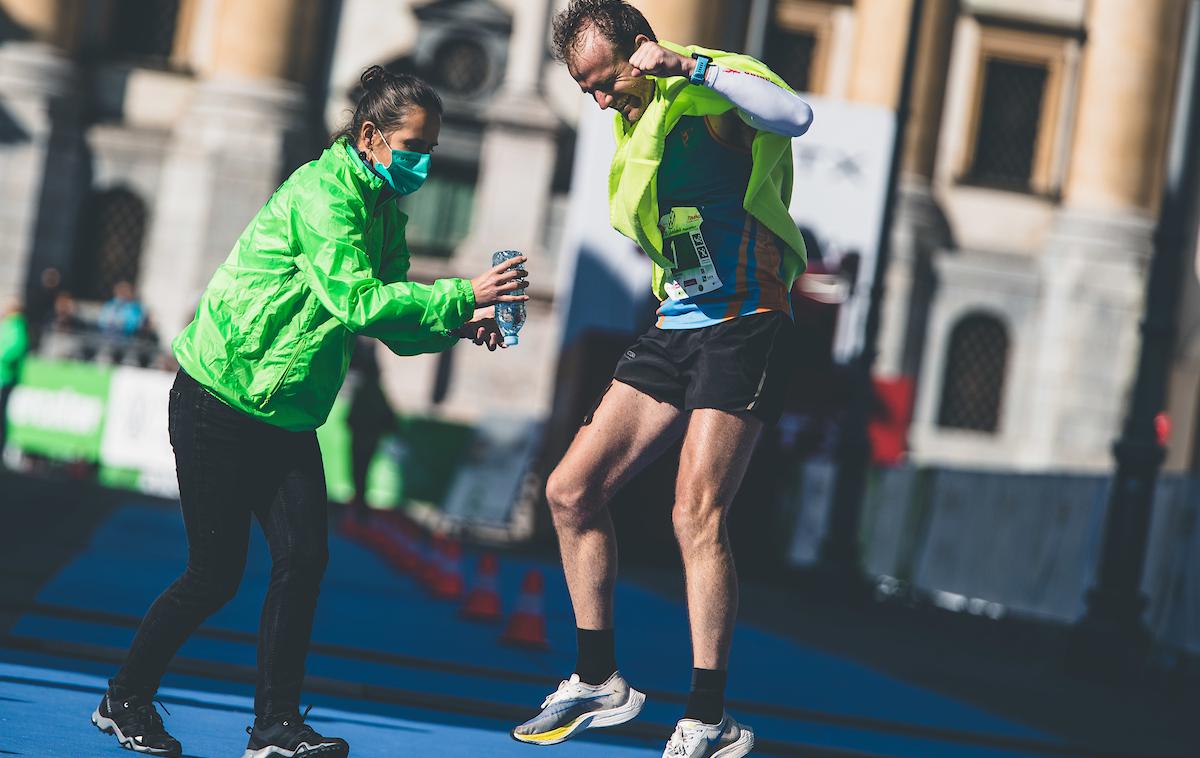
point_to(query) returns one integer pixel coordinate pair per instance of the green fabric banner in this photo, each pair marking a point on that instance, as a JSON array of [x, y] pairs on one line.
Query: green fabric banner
[[58, 409]]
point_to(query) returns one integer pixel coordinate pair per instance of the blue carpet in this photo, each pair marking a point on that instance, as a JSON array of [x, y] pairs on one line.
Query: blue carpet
[[364, 604], [44, 713]]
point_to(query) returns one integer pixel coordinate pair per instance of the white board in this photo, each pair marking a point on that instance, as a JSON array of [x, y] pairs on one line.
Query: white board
[[841, 170]]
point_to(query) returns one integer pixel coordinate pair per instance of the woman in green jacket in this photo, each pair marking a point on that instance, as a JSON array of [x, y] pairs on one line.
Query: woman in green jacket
[[260, 366]]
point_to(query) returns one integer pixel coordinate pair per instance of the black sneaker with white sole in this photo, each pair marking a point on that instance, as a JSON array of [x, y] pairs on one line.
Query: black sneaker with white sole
[[135, 723], [290, 737]]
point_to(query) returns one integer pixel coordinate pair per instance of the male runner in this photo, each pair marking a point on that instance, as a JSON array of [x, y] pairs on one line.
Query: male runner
[[701, 180]]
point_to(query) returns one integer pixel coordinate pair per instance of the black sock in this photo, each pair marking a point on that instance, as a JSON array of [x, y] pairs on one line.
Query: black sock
[[706, 703], [597, 659]]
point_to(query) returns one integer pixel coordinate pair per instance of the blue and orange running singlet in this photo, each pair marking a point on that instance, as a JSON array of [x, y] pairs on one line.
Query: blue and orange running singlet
[[702, 171]]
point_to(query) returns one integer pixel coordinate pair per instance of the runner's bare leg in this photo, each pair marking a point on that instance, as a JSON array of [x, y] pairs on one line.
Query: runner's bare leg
[[716, 452], [629, 430]]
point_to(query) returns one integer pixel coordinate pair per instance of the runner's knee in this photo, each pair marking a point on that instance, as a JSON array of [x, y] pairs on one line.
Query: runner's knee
[[698, 519], [571, 501], [208, 587]]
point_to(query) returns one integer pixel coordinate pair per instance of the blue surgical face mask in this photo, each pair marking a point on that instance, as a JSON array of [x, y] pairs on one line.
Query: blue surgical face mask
[[407, 173]]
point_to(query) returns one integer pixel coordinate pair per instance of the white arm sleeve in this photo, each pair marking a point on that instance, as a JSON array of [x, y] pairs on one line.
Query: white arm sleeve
[[760, 102]]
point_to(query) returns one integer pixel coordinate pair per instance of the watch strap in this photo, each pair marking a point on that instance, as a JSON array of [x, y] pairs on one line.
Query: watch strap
[[702, 64]]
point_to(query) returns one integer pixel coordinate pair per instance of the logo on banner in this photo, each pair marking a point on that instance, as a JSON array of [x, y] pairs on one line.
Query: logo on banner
[[56, 410]]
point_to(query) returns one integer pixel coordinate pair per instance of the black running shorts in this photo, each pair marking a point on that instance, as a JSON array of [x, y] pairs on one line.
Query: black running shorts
[[743, 364]]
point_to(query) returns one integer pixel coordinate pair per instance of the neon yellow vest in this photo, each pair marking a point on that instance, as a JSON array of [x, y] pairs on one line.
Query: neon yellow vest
[[633, 179]]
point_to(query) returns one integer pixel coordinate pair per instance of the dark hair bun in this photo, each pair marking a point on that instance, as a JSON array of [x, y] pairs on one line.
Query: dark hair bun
[[385, 99], [374, 79]]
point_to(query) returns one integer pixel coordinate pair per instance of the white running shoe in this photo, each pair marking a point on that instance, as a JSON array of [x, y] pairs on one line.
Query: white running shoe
[[693, 739], [576, 706]]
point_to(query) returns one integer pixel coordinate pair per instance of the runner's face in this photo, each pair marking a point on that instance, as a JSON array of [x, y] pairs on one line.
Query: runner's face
[[602, 72]]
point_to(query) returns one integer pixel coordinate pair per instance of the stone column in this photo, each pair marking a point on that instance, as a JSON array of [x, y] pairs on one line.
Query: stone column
[[880, 33], [512, 200], [689, 22], [516, 162], [241, 136], [921, 229], [1096, 255], [42, 156]]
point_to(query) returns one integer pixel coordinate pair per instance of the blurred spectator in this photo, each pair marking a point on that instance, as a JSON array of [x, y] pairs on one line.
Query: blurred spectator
[[59, 333], [14, 341], [123, 315], [148, 353], [65, 314], [40, 305], [127, 335], [119, 331]]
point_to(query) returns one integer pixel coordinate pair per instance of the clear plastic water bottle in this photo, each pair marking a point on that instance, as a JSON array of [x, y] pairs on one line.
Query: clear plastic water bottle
[[510, 317]]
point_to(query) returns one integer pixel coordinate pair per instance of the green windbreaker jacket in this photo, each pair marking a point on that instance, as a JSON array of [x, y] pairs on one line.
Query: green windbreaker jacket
[[633, 178], [324, 260]]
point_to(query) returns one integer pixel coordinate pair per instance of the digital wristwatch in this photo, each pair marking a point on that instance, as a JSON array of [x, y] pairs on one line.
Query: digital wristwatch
[[702, 64]]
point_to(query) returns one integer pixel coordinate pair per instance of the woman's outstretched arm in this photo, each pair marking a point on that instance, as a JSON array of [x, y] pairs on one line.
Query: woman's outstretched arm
[[331, 257]]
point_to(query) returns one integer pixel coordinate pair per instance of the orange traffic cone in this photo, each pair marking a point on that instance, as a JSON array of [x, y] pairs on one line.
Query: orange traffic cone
[[448, 584], [483, 604], [527, 626]]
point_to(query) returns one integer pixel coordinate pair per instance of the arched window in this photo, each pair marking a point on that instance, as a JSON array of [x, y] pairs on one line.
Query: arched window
[[973, 382], [113, 225]]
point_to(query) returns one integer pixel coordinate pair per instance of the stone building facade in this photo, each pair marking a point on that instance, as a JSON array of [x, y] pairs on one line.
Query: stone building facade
[[1030, 177], [1029, 193], [1030, 184], [138, 137]]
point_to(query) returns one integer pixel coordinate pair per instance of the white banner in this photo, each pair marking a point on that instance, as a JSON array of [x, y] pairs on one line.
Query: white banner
[[891, 522], [1026, 541], [603, 278], [1172, 576], [839, 193], [490, 474], [813, 498], [999, 542], [136, 434]]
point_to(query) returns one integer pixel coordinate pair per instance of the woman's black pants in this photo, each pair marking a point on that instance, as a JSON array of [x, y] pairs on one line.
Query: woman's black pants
[[230, 466]]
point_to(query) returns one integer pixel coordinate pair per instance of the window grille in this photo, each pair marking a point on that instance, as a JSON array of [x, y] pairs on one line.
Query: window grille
[[790, 54], [1009, 117], [439, 216], [461, 66], [973, 382], [144, 28], [113, 227]]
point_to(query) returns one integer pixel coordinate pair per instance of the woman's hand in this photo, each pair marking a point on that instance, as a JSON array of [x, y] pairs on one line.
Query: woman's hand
[[652, 59], [495, 285], [482, 329]]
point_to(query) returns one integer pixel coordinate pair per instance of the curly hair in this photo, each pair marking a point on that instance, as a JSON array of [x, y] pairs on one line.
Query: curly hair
[[616, 21]]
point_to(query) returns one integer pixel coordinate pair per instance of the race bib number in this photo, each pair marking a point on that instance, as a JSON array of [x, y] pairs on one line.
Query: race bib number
[[692, 271]]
